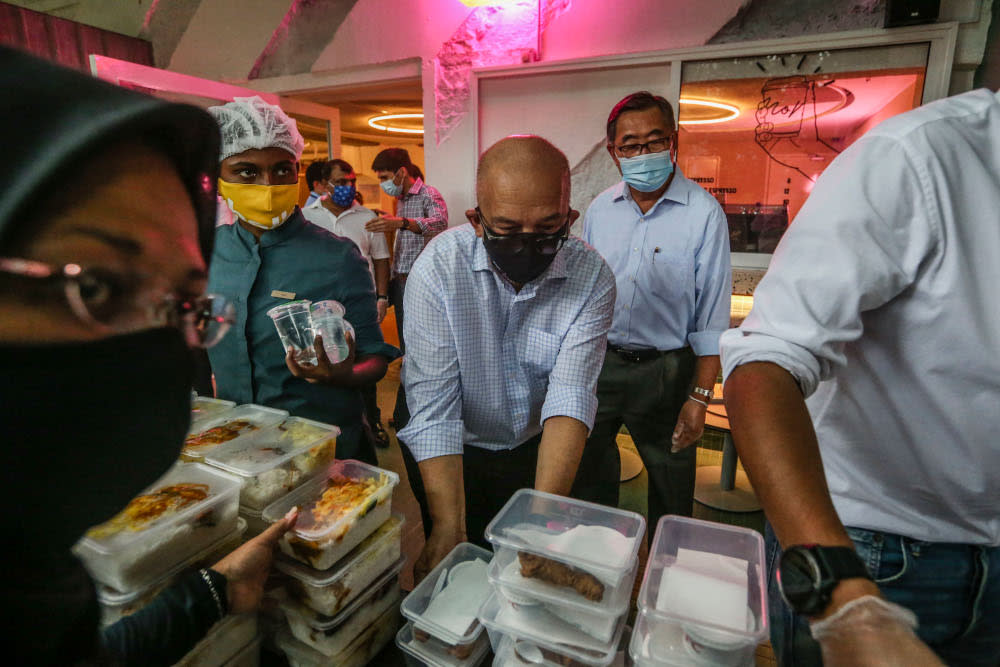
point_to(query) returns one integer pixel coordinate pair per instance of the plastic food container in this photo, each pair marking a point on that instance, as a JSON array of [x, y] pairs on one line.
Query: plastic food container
[[337, 510], [591, 548], [115, 605], [461, 642], [332, 636], [327, 592], [186, 510], [204, 408], [248, 656], [358, 653], [537, 626], [274, 460], [703, 594], [436, 653], [255, 521], [211, 432], [596, 617], [224, 641], [513, 652]]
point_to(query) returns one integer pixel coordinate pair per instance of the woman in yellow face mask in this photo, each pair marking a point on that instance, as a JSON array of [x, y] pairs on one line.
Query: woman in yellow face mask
[[272, 255]]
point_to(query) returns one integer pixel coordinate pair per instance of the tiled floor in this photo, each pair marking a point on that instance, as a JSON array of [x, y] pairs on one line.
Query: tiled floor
[[632, 494]]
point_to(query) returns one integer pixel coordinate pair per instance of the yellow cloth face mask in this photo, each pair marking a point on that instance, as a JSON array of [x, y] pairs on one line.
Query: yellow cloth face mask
[[264, 206]]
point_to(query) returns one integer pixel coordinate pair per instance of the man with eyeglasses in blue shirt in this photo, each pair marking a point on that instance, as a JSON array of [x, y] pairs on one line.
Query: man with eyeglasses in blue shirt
[[506, 324], [667, 242]]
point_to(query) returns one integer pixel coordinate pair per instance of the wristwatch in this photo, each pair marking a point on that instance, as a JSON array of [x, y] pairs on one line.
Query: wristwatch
[[807, 575], [707, 393], [382, 297]]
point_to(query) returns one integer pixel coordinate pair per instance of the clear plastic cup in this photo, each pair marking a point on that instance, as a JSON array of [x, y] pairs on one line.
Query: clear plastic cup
[[294, 323], [328, 321]]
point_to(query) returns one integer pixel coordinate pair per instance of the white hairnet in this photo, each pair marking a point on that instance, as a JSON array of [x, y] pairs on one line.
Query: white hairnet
[[250, 122]]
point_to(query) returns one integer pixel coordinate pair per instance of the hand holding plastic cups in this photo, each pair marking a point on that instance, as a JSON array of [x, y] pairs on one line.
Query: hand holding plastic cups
[[294, 323], [328, 322]]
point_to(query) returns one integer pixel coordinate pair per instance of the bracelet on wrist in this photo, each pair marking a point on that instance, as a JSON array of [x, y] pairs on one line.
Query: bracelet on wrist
[[382, 297], [698, 401]]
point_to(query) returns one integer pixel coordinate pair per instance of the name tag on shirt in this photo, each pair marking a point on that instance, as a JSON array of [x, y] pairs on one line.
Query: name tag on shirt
[[278, 294]]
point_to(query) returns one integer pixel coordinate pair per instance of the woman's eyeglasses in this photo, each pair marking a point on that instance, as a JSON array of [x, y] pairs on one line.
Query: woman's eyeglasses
[[544, 244], [119, 304]]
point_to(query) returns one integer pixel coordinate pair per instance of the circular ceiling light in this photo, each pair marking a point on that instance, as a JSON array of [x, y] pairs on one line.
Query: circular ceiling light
[[731, 111], [379, 123]]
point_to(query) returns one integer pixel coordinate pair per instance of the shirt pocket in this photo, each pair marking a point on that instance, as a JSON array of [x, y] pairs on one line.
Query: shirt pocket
[[541, 350]]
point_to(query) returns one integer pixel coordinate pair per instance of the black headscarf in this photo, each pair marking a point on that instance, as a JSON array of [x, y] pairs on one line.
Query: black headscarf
[[52, 117]]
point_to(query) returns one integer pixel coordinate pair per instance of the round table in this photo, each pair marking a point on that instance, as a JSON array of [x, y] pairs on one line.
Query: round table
[[724, 487]]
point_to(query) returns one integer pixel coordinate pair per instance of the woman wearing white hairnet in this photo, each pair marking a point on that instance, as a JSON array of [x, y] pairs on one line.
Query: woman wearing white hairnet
[[102, 285], [272, 255]]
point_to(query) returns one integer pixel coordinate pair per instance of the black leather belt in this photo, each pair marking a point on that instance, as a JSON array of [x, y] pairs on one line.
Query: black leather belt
[[635, 356]]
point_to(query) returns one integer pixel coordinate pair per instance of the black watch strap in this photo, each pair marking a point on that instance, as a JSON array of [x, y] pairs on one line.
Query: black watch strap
[[843, 562]]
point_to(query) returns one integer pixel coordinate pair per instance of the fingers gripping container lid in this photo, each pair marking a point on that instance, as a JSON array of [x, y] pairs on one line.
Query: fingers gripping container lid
[[536, 625], [332, 635], [445, 603], [328, 592], [274, 460], [187, 509], [703, 598], [586, 552], [227, 426], [338, 508], [435, 653]]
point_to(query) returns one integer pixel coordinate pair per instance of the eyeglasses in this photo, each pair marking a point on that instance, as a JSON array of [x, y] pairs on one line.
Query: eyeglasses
[[117, 303], [654, 146], [544, 244], [342, 181]]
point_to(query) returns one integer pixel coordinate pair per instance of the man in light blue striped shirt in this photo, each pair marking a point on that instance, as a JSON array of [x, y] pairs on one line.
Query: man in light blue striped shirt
[[506, 329]]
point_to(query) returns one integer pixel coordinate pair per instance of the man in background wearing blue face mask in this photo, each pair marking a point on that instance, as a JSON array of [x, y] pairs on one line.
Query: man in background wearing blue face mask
[[421, 214], [339, 212], [667, 242]]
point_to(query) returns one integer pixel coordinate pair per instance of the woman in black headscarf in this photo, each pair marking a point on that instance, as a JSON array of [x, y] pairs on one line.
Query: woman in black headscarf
[[107, 206]]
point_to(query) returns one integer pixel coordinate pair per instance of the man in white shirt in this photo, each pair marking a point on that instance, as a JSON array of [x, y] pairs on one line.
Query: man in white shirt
[[340, 213], [863, 390], [316, 177]]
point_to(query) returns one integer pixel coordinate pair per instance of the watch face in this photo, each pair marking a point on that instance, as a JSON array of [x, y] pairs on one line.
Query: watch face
[[799, 580]]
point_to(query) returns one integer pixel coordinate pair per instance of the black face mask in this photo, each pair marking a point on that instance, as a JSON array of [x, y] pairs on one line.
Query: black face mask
[[85, 427], [522, 257]]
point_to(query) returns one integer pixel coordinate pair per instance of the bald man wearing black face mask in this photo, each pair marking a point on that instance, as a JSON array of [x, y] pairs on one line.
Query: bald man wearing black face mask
[[506, 327]]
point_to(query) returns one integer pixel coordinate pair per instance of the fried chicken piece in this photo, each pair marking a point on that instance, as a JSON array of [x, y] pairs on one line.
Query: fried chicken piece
[[559, 574], [460, 651]]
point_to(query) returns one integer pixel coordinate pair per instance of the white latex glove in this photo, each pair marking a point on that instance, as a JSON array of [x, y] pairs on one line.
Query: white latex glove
[[871, 631]]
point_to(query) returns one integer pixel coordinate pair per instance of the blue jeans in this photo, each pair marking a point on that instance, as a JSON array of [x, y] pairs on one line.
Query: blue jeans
[[954, 589]]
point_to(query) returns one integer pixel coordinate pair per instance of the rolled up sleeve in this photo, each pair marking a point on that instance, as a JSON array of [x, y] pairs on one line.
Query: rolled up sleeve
[[430, 372], [713, 286], [857, 243], [572, 389]]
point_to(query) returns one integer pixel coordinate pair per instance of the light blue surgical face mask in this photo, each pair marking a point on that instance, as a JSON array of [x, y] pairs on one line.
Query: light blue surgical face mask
[[647, 172], [391, 188]]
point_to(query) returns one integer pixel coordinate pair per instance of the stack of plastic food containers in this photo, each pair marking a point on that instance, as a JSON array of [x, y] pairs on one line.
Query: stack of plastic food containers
[[205, 407], [213, 429], [274, 460], [442, 629], [343, 590], [703, 597], [562, 578], [188, 518]]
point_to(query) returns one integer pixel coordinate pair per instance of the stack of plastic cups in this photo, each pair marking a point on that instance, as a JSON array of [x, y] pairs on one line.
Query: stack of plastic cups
[[703, 600], [299, 322], [342, 590], [562, 579], [442, 629]]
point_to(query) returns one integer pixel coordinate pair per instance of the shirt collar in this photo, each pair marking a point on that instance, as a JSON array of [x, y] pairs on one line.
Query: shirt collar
[[679, 190], [295, 222], [418, 183]]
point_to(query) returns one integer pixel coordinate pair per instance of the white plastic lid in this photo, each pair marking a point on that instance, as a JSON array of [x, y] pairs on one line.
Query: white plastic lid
[[325, 624], [269, 447], [387, 532], [255, 416], [710, 579], [537, 522], [374, 486], [417, 602], [184, 493], [203, 407], [542, 628]]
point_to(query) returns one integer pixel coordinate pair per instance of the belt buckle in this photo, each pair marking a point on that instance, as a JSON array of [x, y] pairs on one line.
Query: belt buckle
[[630, 355]]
